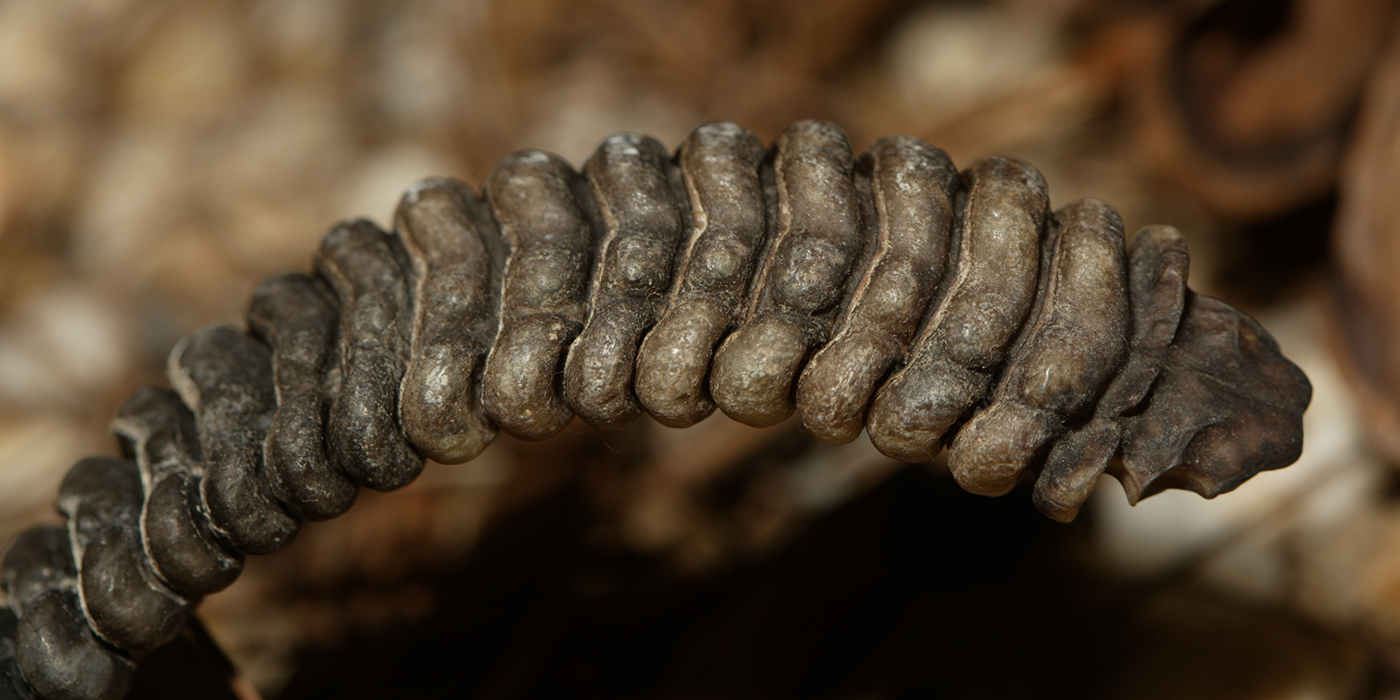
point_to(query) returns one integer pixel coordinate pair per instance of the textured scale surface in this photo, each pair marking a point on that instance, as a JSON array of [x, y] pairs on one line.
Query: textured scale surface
[[888, 293]]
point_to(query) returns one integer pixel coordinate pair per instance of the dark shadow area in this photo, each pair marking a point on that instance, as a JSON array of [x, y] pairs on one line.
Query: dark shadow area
[[1268, 261], [915, 589], [192, 666]]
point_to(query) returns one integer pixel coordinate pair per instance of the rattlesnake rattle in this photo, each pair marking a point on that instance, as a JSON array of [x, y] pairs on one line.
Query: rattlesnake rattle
[[888, 293]]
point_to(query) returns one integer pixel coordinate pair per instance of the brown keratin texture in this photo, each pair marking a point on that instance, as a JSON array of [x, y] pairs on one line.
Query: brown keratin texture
[[888, 293]]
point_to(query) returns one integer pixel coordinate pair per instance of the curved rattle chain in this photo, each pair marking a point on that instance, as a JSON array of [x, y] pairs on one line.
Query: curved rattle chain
[[887, 293]]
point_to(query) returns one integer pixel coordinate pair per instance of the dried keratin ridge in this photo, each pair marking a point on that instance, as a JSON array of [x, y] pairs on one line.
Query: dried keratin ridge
[[888, 293]]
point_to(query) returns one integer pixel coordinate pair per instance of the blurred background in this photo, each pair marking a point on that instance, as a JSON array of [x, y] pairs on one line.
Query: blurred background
[[157, 158]]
